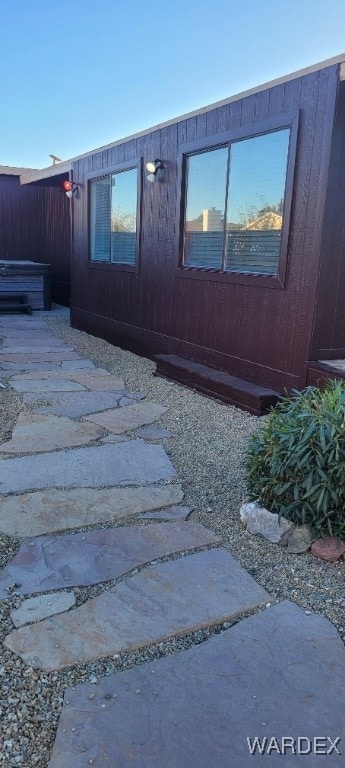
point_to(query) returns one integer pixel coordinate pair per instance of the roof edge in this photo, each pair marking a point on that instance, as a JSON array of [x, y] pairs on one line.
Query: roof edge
[[11, 170], [67, 164]]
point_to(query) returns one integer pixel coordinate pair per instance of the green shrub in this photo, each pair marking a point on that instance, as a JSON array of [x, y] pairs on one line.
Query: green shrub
[[296, 461]]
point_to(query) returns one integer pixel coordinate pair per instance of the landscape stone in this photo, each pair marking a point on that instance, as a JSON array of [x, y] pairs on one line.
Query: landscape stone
[[121, 420], [328, 548], [98, 381], [88, 378], [50, 511], [72, 365], [38, 608], [34, 433], [162, 601], [176, 512], [153, 433], [34, 348], [38, 358], [131, 462], [267, 676], [126, 401], [300, 540], [75, 404], [92, 557], [16, 367], [261, 522], [45, 385]]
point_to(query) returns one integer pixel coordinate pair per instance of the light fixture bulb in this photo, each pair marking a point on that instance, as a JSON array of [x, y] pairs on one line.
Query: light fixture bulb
[[151, 166], [151, 177]]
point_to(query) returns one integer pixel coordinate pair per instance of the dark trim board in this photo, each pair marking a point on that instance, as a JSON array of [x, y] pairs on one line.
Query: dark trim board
[[318, 374], [150, 344]]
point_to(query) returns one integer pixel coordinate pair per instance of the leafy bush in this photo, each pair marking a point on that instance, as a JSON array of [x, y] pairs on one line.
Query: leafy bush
[[296, 461]]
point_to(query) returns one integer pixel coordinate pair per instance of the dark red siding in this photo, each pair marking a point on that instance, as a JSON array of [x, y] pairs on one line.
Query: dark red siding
[[259, 333], [329, 328], [34, 226]]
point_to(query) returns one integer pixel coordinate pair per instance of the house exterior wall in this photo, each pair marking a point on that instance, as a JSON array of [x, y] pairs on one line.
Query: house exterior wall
[[34, 226], [252, 330], [328, 339]]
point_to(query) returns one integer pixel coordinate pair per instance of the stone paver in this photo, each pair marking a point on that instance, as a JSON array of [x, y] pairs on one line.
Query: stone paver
[[50, 511], [91, 557], [98, 381], [38, 608], [22, 367], [72, 365], [35, 433], [34, 348], [40, 357], [127, 463], [163, 600], [176, 512], [268, 676], [153, 433], [122, 419], [45, 385], [83, 379], [75, 404]]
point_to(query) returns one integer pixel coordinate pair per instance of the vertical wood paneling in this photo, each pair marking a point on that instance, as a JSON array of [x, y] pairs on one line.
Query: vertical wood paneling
[[34, 226], [244, 328], [329, 324]]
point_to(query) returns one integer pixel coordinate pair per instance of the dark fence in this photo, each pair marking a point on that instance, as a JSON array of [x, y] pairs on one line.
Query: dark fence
[[255, 250]]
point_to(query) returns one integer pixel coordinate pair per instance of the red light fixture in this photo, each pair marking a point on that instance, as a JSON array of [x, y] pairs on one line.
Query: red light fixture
[[68, 185]]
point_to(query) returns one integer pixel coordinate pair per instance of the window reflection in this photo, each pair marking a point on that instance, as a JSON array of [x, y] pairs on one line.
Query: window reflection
[[113, 217], [124, 216], [250, 183], [256, 202], [205, 209]]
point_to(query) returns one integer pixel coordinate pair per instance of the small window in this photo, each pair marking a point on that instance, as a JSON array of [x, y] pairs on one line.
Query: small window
[[234, 205], [113, 217]]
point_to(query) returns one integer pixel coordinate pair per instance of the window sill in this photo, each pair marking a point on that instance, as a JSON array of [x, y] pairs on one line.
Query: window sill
[[242, 278], [112, 265]]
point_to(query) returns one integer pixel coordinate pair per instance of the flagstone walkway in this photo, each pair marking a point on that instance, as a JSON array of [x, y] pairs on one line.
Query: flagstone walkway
[[94, 498]]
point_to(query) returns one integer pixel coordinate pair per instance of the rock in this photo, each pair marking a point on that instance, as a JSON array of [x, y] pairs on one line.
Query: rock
[[38, 608], [328, 548], [35, 434], [300, 540], [263, 523]]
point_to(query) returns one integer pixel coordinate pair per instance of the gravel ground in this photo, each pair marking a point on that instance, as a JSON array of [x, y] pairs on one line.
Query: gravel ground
[[207, 450]]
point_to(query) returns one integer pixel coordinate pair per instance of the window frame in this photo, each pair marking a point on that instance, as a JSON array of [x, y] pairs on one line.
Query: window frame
[[108, 171], [253, 130]]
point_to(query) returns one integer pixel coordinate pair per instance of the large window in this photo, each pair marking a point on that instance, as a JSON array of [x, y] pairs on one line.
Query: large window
[[113, 217], [234, 204]]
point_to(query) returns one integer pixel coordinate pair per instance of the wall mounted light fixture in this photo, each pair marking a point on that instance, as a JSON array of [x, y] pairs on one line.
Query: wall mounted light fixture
[[71, 188], [153, 166]]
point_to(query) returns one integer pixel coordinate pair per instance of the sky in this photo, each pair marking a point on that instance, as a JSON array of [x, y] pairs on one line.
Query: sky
[[78, 74]]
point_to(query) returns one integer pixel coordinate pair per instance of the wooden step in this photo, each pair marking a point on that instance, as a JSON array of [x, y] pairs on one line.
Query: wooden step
[[14, 304], [319, 374], [218, 384]]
